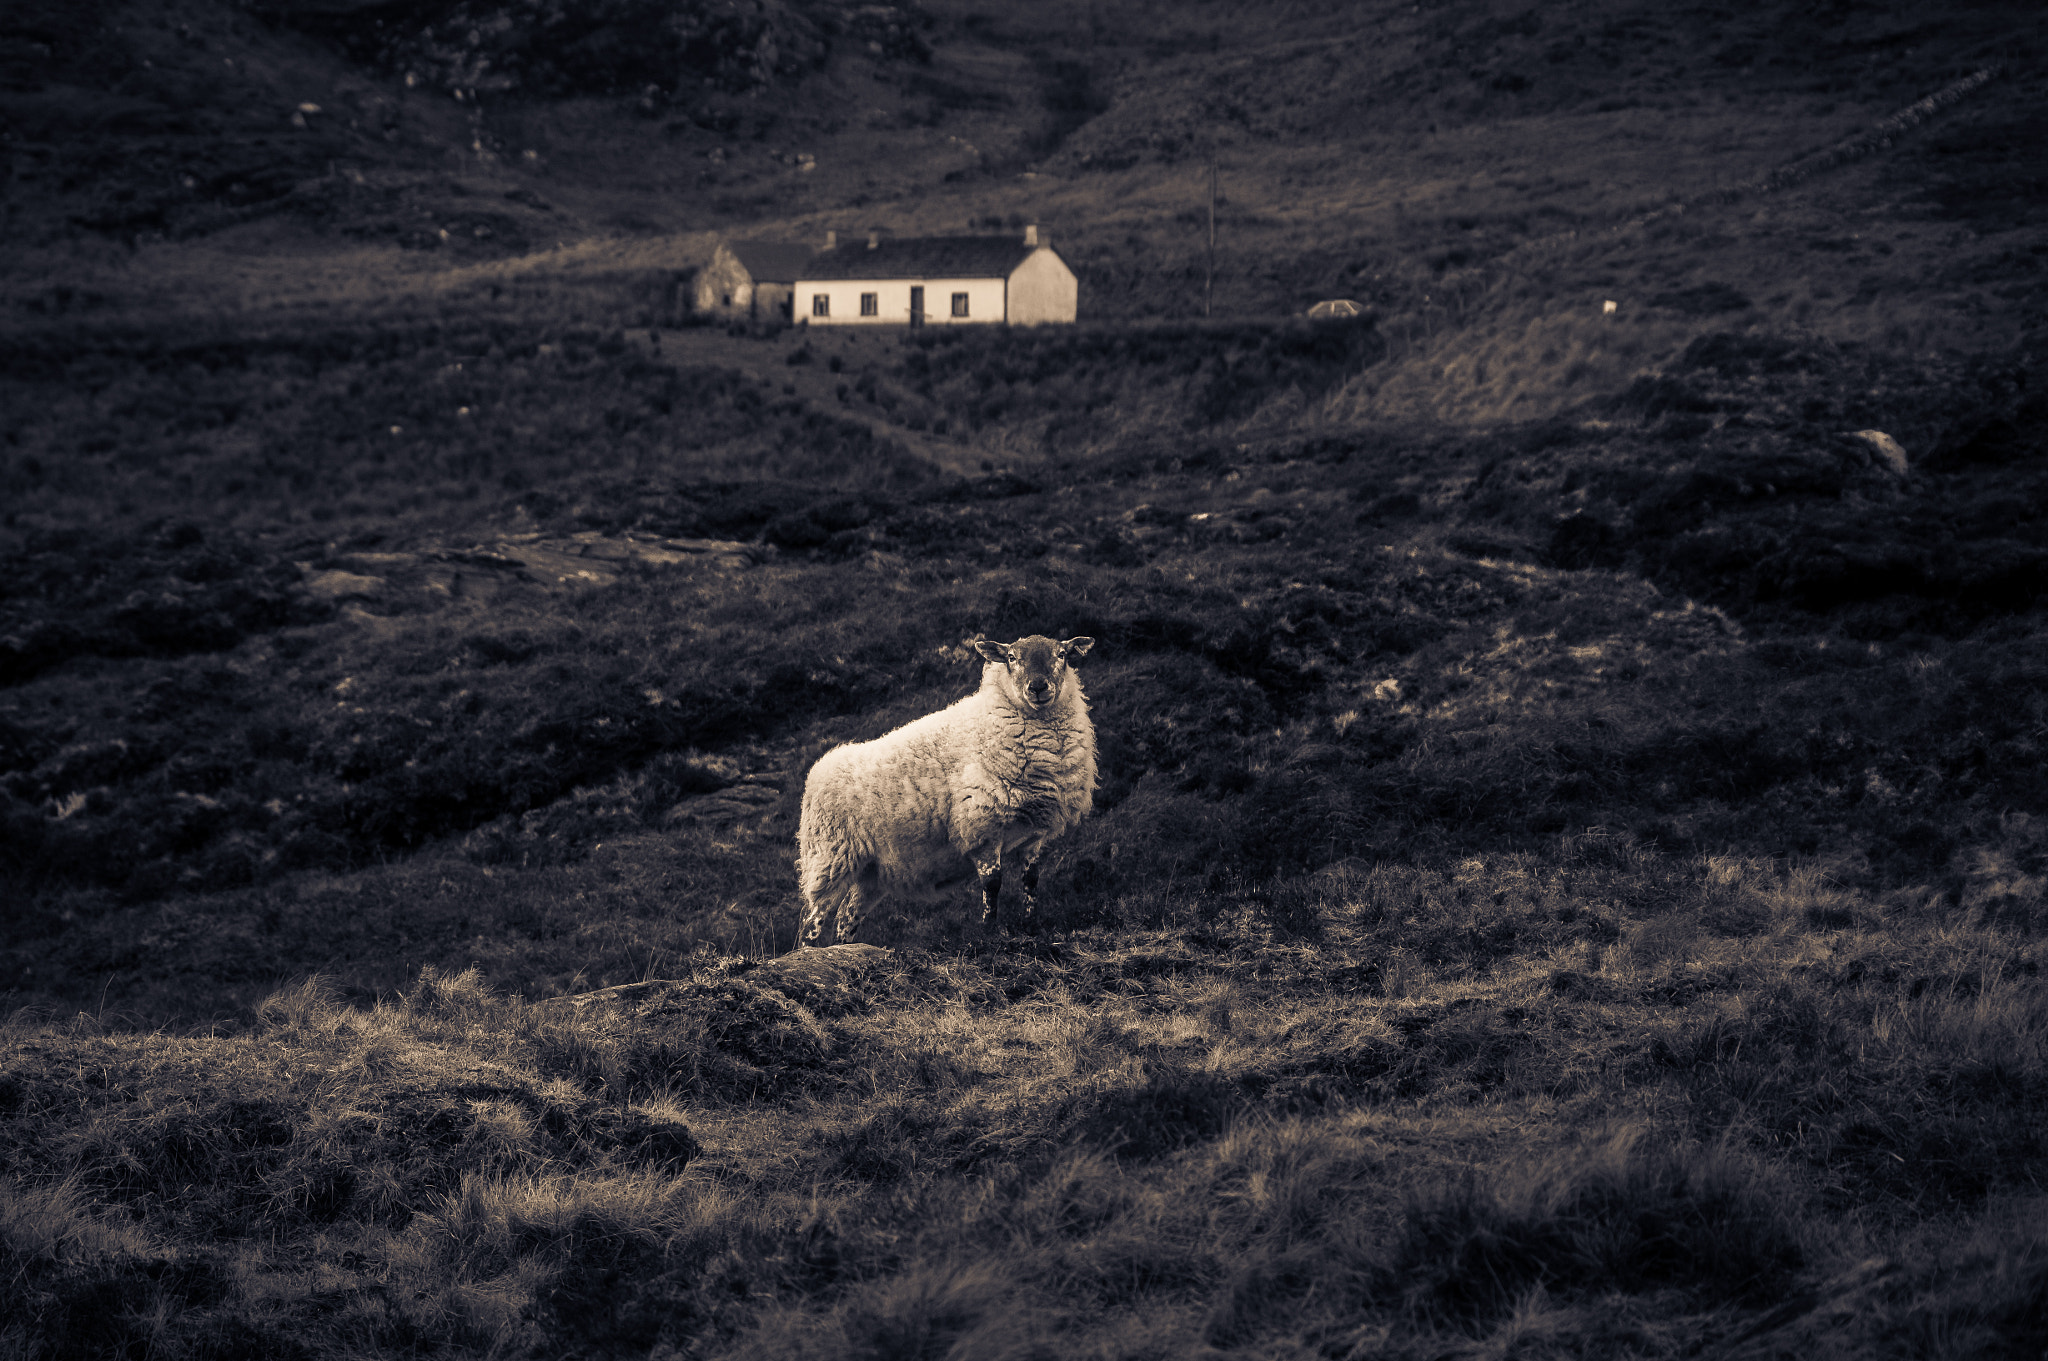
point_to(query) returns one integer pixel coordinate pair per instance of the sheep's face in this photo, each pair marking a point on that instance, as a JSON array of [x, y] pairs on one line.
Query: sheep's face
[[1034, 668]]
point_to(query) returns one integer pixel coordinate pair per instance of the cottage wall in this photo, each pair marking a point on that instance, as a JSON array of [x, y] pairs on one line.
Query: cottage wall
[[892, 301], [1043, 289], [985, 302], [724, 288], [771, 301]]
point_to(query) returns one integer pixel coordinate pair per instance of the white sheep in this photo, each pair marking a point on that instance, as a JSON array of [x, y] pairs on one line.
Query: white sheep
[[996, 775]]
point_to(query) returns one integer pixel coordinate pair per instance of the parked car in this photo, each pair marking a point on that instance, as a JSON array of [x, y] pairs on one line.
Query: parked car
[[1336, 307]]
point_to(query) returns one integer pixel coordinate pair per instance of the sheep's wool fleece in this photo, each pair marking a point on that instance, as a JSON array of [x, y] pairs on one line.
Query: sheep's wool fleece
[[921, 797]]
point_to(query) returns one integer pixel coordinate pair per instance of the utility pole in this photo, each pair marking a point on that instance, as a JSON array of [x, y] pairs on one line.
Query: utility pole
[[1209, 278]]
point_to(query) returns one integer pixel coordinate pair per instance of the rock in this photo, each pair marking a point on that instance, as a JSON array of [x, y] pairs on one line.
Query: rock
[[735, 803], [1889, 456], [1248, 524], [595, 559], [624, 992], [339, 585]]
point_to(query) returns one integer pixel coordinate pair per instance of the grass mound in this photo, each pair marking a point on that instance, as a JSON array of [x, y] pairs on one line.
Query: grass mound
[[727, 1036]]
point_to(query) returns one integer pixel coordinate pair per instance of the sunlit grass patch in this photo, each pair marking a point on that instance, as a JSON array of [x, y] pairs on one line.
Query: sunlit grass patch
[[77, 1279], [52, 1223], [486, 1223], [1519, 361]]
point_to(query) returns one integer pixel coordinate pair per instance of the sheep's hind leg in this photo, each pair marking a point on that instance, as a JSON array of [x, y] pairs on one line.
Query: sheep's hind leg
[[990, 872], [861, 896], [845, 899]]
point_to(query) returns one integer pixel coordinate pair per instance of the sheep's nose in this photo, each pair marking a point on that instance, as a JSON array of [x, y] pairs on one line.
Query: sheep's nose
[[1039, 689]]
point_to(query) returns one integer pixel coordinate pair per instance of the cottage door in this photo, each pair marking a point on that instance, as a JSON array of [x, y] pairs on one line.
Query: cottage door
[[917, 304]]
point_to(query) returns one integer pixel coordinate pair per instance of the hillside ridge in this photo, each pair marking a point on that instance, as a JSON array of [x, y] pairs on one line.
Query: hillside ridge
[[1569, 874]]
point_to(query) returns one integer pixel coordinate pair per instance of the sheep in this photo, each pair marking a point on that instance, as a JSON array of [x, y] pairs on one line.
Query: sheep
[[994, 776]]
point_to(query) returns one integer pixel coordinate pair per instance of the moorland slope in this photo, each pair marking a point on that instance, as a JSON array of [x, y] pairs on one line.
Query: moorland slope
[[1568, 876]]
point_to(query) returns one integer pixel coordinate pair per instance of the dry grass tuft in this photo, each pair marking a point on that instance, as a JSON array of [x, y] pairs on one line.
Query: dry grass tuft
[[1621, 1215]]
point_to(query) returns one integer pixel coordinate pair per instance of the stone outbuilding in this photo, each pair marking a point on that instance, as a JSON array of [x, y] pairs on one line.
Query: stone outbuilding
[[1015, 280], [751, 279]]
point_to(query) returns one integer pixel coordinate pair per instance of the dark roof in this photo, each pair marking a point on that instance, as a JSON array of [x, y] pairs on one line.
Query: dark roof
[[921, 257], [781, 262]]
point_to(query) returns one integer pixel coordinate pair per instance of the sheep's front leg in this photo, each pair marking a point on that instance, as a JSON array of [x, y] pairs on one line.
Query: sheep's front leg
[[1031, 854], [812, 926], [988, 866]]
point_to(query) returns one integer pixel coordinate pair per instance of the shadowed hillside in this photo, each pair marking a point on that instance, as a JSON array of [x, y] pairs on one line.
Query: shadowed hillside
[[1567, 876]]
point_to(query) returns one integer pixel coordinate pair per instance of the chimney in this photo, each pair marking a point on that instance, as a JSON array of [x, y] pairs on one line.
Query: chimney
[[874, 240], [1031, 235], [831, 240]]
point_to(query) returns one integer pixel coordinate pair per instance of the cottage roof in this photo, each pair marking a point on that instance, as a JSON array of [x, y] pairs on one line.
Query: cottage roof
[[921, 257], [780, 262]]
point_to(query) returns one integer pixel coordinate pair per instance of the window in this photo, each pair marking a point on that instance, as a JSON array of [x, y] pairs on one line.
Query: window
[[868, 306], [821, 304], [959, 304]]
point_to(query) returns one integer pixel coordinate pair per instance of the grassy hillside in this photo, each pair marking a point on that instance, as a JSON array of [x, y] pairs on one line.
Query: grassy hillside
[[1568, 872]]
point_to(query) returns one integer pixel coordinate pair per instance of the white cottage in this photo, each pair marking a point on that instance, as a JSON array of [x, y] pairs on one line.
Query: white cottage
[[937, 281]]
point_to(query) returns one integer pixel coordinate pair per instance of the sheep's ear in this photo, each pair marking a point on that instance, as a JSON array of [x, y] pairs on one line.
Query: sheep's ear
[[995, 652], [1077, 647]]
